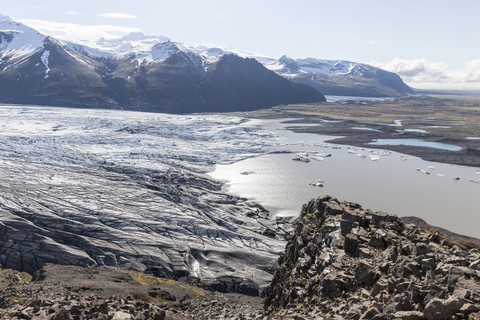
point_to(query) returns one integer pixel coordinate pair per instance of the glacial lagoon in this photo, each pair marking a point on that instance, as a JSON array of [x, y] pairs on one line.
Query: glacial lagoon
[[415, 143], [377, 179]]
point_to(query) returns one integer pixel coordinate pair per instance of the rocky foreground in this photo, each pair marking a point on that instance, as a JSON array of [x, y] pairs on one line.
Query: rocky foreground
[[67, 292], [344, 262]]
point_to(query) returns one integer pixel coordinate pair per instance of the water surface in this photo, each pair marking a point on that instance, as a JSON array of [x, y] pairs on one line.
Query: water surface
[[415, 143], [392, 183]]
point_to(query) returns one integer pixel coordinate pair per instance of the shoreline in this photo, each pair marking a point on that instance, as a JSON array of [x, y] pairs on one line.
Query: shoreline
[[342, 133]]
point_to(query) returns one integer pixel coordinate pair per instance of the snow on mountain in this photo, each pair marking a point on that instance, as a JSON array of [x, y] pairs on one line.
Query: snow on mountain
[[44, 59], [287, 66], [291, 67], [163, 50], [333, 77], [17, 40], [312, 65], [147, 48], [134, 44], [212, 52]]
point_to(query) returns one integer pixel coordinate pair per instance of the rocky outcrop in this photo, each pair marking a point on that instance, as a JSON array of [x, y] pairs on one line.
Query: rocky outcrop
[[344, 262]]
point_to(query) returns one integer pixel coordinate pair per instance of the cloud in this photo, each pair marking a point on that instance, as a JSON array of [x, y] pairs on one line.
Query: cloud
[[418, 69], [471, 72], [70, 12], [423, 73], [86, 34], [117, 15]]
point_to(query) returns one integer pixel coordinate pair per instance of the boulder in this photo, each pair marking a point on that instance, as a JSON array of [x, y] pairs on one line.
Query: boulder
[[379, 286], [365, 273], [409, 315], [435, 310], [453, 305], [351, 244]]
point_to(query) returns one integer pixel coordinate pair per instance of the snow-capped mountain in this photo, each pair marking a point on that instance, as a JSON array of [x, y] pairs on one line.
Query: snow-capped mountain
[[18, 41], [333, 77], [153, 73], [135, 72], [135, 44], [340, 77]]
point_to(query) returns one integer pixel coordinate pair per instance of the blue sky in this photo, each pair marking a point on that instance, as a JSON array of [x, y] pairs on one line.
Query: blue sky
[[429, 43]]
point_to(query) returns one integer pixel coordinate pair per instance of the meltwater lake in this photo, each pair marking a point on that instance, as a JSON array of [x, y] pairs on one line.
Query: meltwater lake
[[377, 179]]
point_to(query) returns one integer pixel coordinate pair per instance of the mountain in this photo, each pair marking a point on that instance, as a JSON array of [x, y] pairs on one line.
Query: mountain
[[135, 72], [37, 69], [331, 77], [342, 78], [153, 73]]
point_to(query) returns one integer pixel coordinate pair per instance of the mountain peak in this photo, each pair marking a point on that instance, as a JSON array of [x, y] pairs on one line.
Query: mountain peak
[[290, 66], [163, 50], [18, 40]]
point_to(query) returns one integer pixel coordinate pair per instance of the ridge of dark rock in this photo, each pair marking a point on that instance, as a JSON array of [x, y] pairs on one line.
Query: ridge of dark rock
[[344, 262]]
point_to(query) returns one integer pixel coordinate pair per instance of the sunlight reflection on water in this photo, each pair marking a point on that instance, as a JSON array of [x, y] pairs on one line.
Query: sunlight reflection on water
[[390, 184]]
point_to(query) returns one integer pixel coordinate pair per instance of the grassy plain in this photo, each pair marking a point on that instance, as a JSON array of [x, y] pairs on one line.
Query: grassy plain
[[460, 113]]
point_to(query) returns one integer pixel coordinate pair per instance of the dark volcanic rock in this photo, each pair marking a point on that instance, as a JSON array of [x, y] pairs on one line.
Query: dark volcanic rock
[[344, 262]]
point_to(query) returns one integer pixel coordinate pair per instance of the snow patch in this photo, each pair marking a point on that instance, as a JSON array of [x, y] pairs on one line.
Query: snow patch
[[44, 59], [134, 44], [20, 41], [212, 52], [80, 59], [163, 50]]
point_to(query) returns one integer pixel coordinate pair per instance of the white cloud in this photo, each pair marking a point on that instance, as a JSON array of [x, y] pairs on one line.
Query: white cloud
[[471, 72], [117, 15], [86, 34], [70, 12], [421, 73]]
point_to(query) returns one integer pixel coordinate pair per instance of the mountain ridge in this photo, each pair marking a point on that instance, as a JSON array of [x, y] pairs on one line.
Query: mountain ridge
[[168, 77], [117, 61]]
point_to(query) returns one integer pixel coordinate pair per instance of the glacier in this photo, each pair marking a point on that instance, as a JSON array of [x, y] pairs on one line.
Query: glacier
[[129, 190]]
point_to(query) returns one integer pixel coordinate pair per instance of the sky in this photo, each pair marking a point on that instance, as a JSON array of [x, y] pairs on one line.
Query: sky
[[430, 44]]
